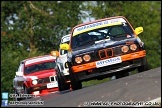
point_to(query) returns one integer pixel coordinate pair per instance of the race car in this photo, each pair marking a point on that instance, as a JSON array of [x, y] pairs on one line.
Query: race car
[[104, 48], [62, 69], [35, 76]]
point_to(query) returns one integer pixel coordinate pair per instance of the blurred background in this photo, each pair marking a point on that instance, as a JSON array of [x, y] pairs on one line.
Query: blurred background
[[33, 28]]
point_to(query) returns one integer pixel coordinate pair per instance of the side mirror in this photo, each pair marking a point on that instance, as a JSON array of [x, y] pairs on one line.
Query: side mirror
[[19, 73], [55, 53], [64, 46], [138, 30]]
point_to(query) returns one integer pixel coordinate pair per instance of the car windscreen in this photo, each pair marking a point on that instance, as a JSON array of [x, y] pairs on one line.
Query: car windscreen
[[116, 31], [40, 67]]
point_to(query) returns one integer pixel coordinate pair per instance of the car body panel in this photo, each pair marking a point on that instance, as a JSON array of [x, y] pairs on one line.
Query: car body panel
[[62, 58], [43, 77], [114, 36], [102, 63]]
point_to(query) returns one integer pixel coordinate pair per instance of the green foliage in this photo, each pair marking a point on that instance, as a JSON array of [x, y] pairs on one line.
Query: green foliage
[[94, 82], [32, 28]]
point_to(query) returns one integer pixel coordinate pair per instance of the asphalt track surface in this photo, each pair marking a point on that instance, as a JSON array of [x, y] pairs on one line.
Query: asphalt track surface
[[141, 87]]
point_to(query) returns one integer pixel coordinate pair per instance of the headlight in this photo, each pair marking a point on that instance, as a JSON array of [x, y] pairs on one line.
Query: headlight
[[78, 60], [133, 47], [125, 49], [34, 82], [141, 44], [66, 65], [86, 58]]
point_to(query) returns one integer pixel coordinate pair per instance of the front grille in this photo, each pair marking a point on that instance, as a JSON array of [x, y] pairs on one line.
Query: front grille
[[109, 52], [52, 78], [47, 79], [105, 53], [102, 54], [117, 51], [113, 52], [43, 80]]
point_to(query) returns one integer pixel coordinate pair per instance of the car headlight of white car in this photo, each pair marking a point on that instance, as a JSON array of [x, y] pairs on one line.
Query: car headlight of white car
[[34, 82]]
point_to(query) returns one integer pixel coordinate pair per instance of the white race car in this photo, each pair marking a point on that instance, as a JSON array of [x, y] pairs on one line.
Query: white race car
[[62, 69]]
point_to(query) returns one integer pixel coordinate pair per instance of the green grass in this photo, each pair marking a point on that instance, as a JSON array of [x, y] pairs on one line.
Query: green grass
[[94, 82], [134, 72]]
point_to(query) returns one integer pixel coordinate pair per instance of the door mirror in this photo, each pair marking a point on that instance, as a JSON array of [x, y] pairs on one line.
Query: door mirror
[[19, 73], [64, 46], [55, 53], [138, 30]]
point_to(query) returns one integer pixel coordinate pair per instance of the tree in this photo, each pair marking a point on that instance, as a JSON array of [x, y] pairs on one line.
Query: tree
[[32, 28]]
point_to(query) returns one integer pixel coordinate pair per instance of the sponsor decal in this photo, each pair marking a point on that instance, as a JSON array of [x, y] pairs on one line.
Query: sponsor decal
[[39, 59], [95, 25], [107, 62], [66, 39]]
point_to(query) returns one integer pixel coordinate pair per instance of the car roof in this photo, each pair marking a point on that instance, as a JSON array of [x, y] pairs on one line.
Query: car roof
[[39, 58], [36, 57], [66, 35]]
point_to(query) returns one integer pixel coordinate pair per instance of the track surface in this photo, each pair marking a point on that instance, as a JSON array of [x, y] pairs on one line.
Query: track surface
[[143, 86]]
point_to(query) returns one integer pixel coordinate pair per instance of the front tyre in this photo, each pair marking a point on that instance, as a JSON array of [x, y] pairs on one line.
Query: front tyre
[[75, 85], [61, 83], [144, 66], [26, 91], [16, 98]]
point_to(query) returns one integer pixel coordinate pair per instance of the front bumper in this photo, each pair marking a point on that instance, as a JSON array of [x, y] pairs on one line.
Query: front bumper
[[40, 87], [128, 63], [125, 57], [109, 71]]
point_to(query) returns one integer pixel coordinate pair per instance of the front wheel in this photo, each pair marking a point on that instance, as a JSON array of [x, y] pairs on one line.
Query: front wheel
[[61, 83], [144, 67], [26, 91], [75, 85], [16, 98]]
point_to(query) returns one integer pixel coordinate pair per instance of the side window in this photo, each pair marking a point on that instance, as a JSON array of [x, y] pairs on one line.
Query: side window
[[50, 65], [116, 30], [63, 52]]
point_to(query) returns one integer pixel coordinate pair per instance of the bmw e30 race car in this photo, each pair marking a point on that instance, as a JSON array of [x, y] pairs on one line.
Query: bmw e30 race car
[[35, 75], [104, 48], [62, 69]]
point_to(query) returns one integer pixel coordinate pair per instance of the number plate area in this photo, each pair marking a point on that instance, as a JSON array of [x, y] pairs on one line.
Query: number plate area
[[52, 85], [107, 62]]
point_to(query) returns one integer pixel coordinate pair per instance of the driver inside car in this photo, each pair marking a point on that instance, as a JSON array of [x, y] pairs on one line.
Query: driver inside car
[[83, 38]]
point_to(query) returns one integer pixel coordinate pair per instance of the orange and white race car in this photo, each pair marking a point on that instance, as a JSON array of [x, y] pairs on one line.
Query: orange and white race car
[[104, 48], [35, 75]]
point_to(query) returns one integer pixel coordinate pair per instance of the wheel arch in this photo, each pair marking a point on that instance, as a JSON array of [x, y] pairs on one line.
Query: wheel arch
[[58, 68], [25, 84]]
